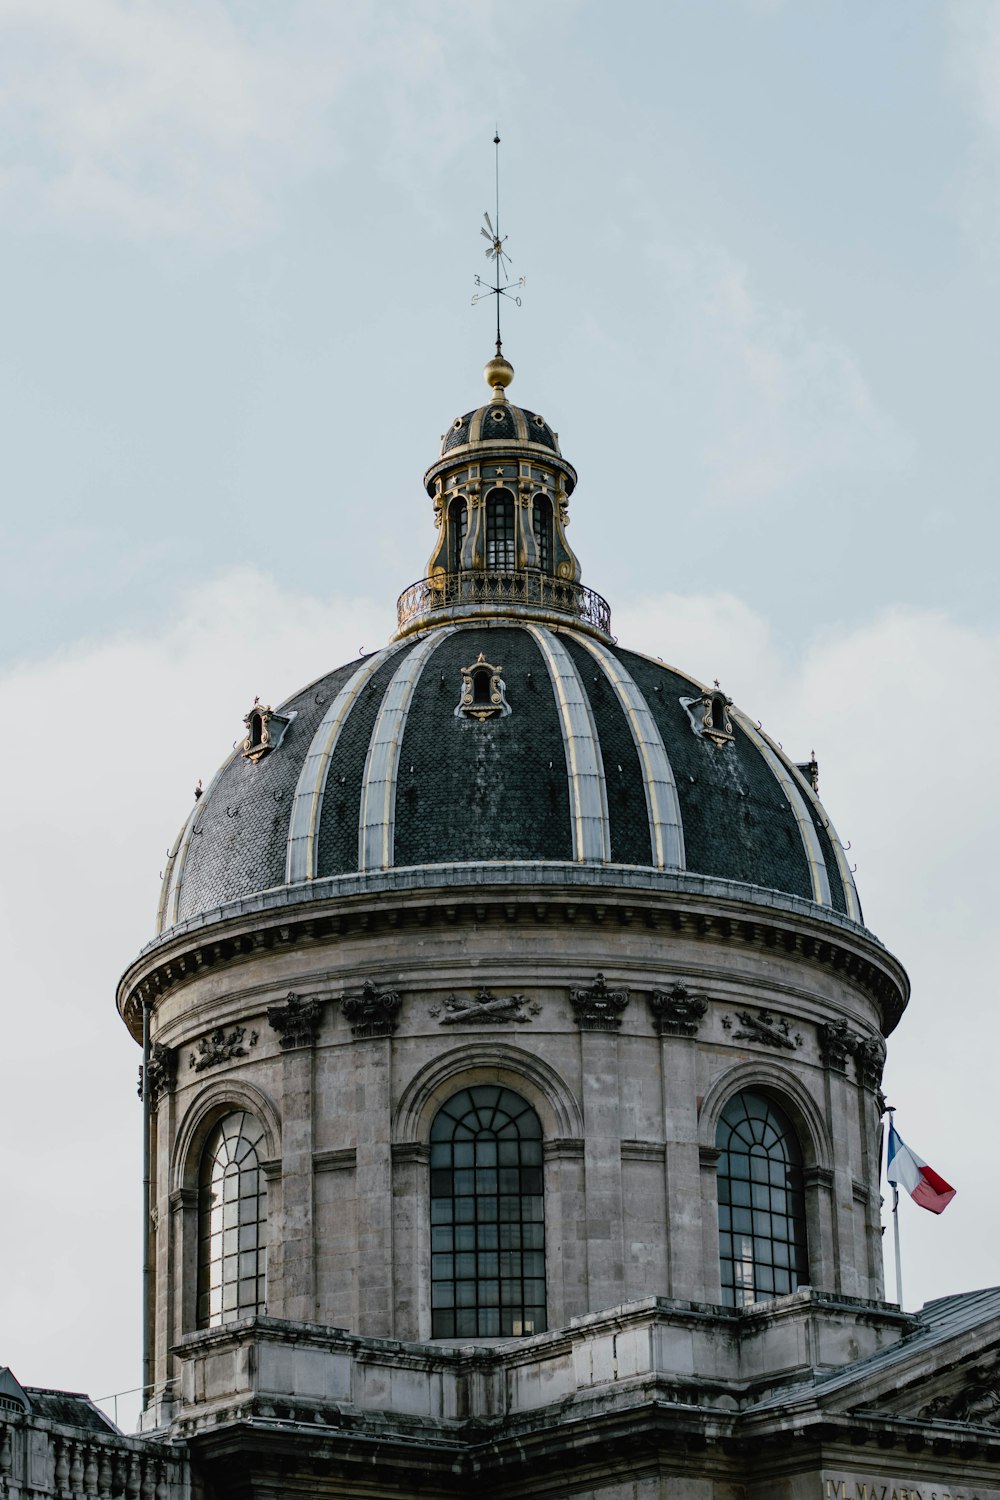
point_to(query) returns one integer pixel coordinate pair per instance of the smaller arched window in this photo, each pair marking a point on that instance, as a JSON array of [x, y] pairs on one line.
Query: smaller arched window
[[762, 1215], [256, 731], [232, 1219], [541, 521], [500, 551], [458, 515]]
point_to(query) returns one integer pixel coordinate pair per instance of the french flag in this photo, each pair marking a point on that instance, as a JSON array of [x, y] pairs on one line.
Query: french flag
[[921, 1181]]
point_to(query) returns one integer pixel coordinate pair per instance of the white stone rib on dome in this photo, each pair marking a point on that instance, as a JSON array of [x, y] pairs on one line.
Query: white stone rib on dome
[[851, 898], [376, 821], [170, 891], [588, 793], [818, 875], [666, 832], [307, 804]]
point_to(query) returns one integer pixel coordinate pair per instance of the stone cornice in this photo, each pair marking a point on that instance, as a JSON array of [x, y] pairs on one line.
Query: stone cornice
[[690, 906]]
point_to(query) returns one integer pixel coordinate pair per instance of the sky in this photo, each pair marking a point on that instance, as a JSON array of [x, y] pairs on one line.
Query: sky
[[238, 252]]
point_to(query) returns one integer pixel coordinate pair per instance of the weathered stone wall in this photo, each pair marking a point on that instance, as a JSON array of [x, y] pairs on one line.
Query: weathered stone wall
[[628, 1096]]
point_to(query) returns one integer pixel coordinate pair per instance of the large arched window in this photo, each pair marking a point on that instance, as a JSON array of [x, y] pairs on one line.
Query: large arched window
[[541, 521], [762, 1218], [458, 515], [232, 1218], [487, 1217], [500, 530]]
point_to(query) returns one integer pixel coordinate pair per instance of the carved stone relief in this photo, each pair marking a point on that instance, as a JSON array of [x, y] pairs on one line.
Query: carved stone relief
[[978, 1401], [161, 1074], [485, 1009], [837, 1043], [296, 1022], [374, 1012], [771, 1030], [869, 1059], [676, 1012], [598, 1008], [221, 1046]]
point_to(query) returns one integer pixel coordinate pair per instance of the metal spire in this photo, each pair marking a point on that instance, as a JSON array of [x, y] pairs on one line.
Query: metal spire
[[501, 286]]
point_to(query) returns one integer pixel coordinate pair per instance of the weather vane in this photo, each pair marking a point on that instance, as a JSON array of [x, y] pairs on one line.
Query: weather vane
[[501, 286]]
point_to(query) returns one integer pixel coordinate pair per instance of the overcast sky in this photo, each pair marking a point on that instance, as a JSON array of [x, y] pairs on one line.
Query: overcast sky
[[760, 242]]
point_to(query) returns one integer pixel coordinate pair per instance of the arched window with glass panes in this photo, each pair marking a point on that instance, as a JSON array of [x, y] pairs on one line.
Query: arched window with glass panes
[[762, 1213], [458, 516], [541, 521], [487, 1217], [500, 550], [232, 1222]]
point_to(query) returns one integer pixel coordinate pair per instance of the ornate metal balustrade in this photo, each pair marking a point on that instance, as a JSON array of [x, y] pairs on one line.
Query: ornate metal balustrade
[[453, 590]]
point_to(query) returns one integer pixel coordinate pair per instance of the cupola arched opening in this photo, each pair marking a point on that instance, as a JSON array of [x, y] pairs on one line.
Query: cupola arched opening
[[256, 731], [762, 1207], [458, 522], [500, 540], [487, 1217], [232, 1222], [541, 523]]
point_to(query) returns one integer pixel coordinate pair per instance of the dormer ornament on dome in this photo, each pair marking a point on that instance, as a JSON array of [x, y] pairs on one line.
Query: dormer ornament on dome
[[265, 730]]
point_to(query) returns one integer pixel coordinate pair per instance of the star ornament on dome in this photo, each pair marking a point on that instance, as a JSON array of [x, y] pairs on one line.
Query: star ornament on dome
[[501, 285]]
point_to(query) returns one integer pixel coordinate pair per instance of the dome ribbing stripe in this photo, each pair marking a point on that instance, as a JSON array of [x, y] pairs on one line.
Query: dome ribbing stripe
[[588, 794], [376, 823], [171, 897], [666, 832], [810, 843], [308, 802]]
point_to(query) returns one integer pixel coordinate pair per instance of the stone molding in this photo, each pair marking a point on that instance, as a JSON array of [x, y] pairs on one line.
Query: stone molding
[[692, 905], [644, 1151], [598, 1008], [296, 1022], [343, 1160], [676, 1012], [375, 1012], [566, 1148]]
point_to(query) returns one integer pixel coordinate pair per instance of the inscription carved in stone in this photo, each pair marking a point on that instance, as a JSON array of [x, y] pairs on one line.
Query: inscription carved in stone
[[772, 1030], [485, 1009], [296, 1022], [374, 1012], [221, 1046], [676, 1012], [598, 1008]]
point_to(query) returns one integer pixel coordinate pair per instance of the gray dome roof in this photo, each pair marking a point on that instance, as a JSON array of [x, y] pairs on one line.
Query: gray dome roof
[[586, 754], [499, 422]]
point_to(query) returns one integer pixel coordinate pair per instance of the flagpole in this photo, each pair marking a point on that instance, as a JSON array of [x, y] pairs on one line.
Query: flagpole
[[890, 1111], [895, 1231]]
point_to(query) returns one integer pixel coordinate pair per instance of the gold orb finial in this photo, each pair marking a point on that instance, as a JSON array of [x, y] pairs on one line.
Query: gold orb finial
[[498, 374]]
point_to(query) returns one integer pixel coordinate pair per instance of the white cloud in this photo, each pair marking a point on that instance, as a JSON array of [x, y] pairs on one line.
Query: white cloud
[[777, 405], [186, 121], [103, 746]]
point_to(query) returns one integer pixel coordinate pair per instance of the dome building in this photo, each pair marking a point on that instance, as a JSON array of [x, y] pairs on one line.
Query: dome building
[[513, 1043]]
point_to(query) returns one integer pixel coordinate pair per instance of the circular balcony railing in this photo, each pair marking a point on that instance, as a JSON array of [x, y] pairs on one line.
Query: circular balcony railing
[[528, 588]]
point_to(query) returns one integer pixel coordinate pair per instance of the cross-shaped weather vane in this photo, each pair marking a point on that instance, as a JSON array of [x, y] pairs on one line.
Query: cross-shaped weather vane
[[501, 286]]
